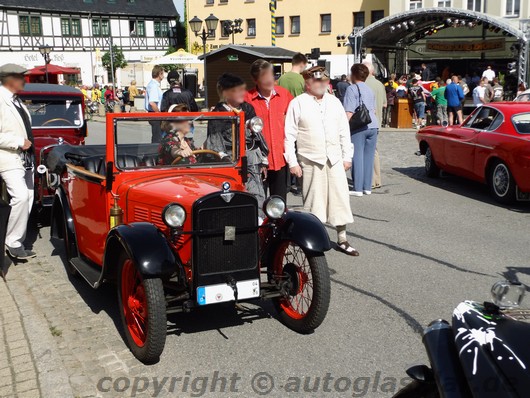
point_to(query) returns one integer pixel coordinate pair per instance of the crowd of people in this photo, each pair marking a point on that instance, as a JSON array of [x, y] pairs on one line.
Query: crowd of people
[[308, 137], [110, 97], [441, 101]]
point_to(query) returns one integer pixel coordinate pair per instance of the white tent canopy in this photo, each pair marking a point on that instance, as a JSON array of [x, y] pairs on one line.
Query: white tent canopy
[[178, 57]]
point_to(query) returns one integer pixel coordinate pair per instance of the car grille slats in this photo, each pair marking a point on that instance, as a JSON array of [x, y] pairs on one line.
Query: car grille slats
[[213, 252]]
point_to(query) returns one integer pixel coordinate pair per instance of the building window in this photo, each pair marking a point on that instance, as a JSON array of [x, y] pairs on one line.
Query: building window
[[513, 8], [225, 28], [295, 25], [211, 34], [415, 4], [71, 27], [251, 27], [377, 15], [358, 19], [210, 2], [161, 28], [137, 28], [101, 27], [474, 5], [23, 25], [325, 23], [444, 3], [280, 25]]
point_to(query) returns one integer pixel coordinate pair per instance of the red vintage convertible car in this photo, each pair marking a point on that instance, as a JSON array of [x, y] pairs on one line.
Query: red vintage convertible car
[[491, 146], [178, 235], [57, 116]]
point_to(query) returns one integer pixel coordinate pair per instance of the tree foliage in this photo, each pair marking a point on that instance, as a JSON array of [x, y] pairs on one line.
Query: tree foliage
[[118, 58]]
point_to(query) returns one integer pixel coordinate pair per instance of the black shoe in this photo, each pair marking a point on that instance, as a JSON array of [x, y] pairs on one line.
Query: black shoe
[[296, 191], [19, 253]]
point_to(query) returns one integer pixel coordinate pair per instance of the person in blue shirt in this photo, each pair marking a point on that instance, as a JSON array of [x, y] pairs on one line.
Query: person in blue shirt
[[454, 96], [153, 96]]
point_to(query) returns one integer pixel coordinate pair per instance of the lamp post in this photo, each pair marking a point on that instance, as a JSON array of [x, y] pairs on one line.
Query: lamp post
[[211, 25], [232, 27], [45, 52]]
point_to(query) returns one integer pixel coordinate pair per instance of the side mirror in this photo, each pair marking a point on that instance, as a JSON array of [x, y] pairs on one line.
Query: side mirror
[[109, 178]]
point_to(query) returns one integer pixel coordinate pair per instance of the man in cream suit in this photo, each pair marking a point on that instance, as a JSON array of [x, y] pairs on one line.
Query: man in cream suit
[[16, 158], [316, 122]]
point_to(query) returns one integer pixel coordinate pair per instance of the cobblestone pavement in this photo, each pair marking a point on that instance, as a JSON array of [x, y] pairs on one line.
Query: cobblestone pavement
[[59, 338]]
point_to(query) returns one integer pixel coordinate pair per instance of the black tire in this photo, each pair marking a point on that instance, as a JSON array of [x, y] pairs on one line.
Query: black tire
[[152, 308], [431, 169], [72, 271], [287, 259], [417, 389], [501, 183]]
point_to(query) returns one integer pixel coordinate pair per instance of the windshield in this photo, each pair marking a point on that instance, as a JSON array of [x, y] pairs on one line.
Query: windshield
[[521, 123], [54, 112], [184, 141]]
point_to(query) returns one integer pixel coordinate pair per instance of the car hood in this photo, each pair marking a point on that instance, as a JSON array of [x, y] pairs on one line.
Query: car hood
[[159, 191]]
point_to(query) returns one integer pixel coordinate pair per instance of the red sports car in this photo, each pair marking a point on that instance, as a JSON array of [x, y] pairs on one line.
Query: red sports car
[[491, 146]]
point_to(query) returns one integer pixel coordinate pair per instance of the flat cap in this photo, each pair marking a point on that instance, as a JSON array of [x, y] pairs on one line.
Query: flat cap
[[12, 69], [316, 72]]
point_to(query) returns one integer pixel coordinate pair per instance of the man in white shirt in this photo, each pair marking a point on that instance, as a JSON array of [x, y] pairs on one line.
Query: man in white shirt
[[316, 122], [489, 73], [153, 97], [16, 158], [479, 94]]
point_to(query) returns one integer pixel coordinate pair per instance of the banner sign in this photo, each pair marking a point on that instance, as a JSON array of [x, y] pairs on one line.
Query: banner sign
[[482, 45]]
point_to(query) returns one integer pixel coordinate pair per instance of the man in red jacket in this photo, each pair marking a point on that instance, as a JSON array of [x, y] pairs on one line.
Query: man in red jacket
[[271, 102]]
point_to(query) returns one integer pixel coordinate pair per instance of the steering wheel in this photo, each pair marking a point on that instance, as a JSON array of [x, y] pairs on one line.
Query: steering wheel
[[197, 152], [58, 119]]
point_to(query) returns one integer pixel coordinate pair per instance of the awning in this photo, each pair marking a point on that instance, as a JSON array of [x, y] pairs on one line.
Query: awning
[[53, 70], [178, 57]]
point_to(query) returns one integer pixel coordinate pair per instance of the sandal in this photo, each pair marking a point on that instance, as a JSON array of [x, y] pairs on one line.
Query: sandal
[[347, 249]]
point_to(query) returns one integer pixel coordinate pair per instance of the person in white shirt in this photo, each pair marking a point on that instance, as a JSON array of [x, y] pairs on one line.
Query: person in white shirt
[[479, 94], [153, 97], [489, 73], [16, 158], [317, 124]]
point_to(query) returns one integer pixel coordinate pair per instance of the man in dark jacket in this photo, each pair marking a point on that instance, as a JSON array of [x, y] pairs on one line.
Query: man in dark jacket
[[176, 94]]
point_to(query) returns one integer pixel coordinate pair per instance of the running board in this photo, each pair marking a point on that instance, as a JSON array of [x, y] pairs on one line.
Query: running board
[[91, 274]]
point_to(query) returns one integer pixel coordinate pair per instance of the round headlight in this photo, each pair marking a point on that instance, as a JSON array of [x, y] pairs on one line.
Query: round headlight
[[256, 124], [174, 216], [274, 207]]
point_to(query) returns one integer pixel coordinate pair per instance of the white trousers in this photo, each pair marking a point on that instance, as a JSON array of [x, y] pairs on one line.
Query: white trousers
[[19, 183], [325, 192]]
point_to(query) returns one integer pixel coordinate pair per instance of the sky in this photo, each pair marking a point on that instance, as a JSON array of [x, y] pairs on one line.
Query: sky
[[180, 7]]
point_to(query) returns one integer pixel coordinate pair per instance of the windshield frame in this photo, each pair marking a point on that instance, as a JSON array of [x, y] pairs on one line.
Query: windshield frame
[[238, 149], [45, 99]]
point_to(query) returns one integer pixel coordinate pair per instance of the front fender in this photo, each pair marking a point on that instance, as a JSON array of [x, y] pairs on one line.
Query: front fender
[[306, 230], [145, 245]]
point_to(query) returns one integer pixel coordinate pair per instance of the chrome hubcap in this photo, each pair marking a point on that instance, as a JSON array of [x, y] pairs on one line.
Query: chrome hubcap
[[501, 180]]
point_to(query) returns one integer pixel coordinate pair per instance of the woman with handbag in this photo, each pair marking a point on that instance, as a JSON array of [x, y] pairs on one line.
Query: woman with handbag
[[360, 106]]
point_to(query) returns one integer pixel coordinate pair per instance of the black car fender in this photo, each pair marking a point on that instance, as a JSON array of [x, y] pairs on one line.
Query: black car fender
[[146, 245], [61, 214], [304, 229]]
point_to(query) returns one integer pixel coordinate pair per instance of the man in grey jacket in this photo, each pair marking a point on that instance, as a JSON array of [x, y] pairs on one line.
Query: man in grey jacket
[[16, 158]]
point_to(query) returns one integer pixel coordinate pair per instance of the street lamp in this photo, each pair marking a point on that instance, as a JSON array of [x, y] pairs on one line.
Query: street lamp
[[211, 25], [232, 27], [45, 52]]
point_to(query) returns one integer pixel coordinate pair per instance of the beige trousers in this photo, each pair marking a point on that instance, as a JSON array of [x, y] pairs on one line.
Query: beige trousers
[[376, 182], [325, 192]]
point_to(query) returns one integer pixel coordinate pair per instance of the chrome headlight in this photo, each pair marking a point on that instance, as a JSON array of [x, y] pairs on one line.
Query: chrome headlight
[[507, 294], [174, 215], [274, 207], [255, 124]]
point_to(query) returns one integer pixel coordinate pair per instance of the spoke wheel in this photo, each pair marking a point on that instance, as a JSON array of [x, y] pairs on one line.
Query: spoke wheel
[[305, 306], [502, 184], [143, 312]]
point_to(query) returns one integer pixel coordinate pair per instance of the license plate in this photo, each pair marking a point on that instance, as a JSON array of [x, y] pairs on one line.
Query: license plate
[[230, 233], [523, 196], [221, 293]]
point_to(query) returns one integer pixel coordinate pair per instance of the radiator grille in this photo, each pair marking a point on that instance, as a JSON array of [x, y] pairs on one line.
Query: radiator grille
[[213, 253]]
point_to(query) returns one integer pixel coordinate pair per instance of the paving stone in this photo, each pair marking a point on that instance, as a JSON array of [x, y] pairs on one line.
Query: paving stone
[[6, 391], [23, 376], [29, 394], [27, 385]]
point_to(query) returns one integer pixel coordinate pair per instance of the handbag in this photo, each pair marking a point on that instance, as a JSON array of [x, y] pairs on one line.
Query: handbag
[[361, 118]]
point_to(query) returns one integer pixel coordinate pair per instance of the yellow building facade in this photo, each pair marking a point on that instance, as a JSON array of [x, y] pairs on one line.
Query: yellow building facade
[[300, 24]]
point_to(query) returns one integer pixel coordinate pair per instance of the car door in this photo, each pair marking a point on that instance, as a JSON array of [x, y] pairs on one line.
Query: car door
[[88, 202], [461, 142]]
